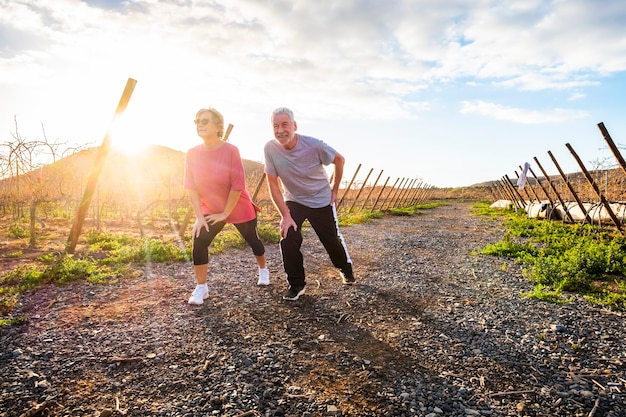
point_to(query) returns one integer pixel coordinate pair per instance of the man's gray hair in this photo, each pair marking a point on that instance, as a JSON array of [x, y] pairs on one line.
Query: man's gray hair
[[283, 110]]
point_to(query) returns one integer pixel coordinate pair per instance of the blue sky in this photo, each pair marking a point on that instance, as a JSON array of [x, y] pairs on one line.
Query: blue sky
[[452, 92]]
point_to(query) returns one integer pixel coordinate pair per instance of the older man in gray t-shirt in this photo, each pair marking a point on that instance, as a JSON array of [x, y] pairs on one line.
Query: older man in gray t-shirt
[[298, 162]]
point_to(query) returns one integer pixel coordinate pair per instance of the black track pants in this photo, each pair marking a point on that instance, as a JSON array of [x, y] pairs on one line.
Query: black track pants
[[324, 222]]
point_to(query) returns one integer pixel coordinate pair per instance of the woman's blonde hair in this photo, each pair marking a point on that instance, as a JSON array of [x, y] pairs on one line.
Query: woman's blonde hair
[[216, 118]]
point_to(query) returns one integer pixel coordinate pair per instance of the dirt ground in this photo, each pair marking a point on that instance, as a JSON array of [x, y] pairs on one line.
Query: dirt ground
[[430, 329]]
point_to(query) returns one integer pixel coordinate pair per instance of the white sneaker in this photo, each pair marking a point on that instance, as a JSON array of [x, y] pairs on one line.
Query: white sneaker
[[198, 296], [264, 277]]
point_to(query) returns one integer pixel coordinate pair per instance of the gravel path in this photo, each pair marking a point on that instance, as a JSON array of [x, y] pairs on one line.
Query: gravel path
[[430, 329]]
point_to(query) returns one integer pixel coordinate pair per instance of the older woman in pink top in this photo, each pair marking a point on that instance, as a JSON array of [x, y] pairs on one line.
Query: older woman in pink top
[[216, 185]]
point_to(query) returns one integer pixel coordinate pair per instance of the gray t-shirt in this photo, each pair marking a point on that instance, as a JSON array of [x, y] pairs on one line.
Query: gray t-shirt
[[301, 170]]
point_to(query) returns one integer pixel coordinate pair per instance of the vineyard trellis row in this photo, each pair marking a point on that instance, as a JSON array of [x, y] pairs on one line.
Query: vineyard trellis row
[[575, 197], [408, 193], [90, 185], [144, 193]]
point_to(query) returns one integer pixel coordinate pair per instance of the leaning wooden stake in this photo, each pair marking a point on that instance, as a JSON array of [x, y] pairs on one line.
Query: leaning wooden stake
[[349, 185], [612, 146], [596, 189], [258, 186], [380, 193], [518, 197], [554, 190], [407, 190], [371, 189], [507, 190], [367, 177], [394, 198], [541, 186], [571, 188], [96, 169], [414, 196]]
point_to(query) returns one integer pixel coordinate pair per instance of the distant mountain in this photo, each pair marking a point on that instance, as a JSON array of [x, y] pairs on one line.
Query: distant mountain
[[153, 174]]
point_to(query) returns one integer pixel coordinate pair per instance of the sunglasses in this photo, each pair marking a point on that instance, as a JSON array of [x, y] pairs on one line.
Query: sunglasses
[[202, 122]]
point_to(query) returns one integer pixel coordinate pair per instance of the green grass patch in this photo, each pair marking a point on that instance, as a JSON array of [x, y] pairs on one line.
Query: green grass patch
[[269, 233], [63, 269], [565, 258], [482, 208], [16, 321], [18, 230], [15, 254], [358, 217], [414, 210]]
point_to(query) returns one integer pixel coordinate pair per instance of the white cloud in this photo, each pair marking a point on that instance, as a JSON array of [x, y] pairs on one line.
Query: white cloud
[[523, 116], [576, 96], [531, 46], [64, 62]]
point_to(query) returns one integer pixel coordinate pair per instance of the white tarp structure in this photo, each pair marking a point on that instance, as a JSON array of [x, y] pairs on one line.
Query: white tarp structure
[[544, 210], [541, 209], [600, 213], [501, 204]]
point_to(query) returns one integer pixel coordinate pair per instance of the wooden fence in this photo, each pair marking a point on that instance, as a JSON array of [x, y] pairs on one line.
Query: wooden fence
[[593, 197], [365, 194]]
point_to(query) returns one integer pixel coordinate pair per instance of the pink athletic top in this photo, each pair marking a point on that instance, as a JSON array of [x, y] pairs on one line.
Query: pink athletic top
[[214, 173]]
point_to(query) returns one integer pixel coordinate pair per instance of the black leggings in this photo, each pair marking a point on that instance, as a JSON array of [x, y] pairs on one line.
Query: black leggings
[[200, 251]]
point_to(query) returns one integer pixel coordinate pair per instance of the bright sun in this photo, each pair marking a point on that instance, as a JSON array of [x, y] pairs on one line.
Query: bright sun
[[126, 137]]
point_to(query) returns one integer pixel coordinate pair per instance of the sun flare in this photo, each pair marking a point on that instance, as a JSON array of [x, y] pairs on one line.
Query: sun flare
[[127, 138]]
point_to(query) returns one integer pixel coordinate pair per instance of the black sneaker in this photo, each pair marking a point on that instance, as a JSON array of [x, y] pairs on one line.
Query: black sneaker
[[293, 293], [347, 277]]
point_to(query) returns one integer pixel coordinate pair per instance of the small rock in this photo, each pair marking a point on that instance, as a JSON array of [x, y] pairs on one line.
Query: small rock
[[107, 412], [586, 394], [332, 410]]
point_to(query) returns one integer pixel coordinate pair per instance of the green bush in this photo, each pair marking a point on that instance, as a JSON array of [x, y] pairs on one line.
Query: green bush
[[563, 257], [17, 231]]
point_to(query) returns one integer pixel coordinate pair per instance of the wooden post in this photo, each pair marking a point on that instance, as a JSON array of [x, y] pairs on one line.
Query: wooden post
[[349, 185], [413, 197], [96, 169], [258, 186], [371, 190], [407, 190], [571, 188], [507, 190], [614, 149], [394, 198], [596, 189], [380, 193], [541, 186], [558, 196], [361, 189], [401, 193], [387, 199], [516, 193]]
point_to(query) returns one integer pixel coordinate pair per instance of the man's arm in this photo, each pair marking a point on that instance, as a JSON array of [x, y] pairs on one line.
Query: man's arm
[[339, 162], [279, 202]]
